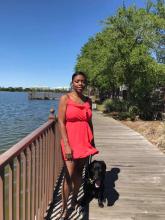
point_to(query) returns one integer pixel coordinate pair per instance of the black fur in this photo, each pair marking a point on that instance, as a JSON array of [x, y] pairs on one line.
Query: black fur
[[95, 173]]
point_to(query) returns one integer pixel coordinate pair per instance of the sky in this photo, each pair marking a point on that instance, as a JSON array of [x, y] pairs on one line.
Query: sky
[[41, 39]]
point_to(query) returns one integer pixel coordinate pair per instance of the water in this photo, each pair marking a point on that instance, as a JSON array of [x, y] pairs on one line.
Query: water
[[20, 116]]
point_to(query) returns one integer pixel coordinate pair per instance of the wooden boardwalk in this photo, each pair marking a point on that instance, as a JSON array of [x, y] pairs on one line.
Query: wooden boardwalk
[[135, 178], [135, 181]]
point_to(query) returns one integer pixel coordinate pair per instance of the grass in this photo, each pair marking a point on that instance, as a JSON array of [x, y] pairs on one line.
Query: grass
[[100, 107]]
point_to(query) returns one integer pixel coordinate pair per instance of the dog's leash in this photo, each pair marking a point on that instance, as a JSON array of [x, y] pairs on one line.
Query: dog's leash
[[90, 159], [87, 171]]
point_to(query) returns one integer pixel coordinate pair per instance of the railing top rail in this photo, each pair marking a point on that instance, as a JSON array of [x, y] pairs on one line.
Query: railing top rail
[[14, 151]]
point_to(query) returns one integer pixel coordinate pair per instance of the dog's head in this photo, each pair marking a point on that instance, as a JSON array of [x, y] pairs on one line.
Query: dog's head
[[96, 171]]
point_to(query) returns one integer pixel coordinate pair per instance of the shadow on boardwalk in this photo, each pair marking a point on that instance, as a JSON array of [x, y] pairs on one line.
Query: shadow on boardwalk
[[140, 180], [135, 178], [111, 195], [55, 208]]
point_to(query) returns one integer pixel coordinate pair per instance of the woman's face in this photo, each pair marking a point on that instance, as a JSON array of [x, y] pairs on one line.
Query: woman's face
[[79, 83]]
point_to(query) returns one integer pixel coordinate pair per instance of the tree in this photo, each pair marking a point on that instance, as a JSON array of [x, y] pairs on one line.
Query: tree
[[123, 53], [160, 11]]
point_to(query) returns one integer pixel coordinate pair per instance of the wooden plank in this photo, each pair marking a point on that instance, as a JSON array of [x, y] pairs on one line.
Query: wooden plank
[[11, 179], [18, 172], [2, 194], [24, 174], [37, 179], [29, 159], [135, 177], [33, 180]]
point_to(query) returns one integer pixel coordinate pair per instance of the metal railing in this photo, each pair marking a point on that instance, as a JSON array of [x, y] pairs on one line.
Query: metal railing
[[29, 172]]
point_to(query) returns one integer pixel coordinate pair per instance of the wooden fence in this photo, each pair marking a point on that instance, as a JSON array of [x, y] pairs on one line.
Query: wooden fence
[[28, 173]]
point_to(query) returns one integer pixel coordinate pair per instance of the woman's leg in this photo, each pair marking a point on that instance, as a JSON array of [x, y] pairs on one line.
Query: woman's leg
[[67, 185], [77, 178]]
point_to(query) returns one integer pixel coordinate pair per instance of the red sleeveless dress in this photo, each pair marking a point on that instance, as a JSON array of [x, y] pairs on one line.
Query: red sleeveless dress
[[78, 130]]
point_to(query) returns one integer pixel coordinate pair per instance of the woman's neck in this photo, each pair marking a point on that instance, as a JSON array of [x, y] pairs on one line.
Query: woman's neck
[[78, 95]]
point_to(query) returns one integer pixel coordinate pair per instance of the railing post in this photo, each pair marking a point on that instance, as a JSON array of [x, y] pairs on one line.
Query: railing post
[[1, 194], [31, 174], [51, 155]]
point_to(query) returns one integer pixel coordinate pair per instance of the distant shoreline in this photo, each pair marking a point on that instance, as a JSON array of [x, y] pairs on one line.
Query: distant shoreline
[[21, 89]]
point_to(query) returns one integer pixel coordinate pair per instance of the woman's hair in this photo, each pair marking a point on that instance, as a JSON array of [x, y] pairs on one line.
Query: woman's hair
[[79, 73]]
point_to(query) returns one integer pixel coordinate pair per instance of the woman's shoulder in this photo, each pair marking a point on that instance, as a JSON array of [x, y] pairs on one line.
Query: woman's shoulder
[[64, 98]]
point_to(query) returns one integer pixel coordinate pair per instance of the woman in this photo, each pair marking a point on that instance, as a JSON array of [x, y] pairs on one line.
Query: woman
[[74, 116]]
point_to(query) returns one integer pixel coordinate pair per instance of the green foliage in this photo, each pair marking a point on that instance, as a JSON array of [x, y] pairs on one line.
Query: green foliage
[[108, 105], [123, 115], [20, 89], [115, 105], [123, 53], [133, 110], [12, 89]]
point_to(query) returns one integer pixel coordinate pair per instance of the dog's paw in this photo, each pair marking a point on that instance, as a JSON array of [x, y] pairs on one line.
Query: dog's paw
[[101, 205]]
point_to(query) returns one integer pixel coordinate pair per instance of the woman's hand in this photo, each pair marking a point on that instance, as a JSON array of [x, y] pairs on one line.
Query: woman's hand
[[68, 153]]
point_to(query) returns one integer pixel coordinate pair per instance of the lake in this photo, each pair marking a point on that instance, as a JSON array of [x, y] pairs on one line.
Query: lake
[[20, 116]]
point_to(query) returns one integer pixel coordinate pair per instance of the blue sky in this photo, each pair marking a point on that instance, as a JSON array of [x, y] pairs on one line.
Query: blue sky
[[40, 39]]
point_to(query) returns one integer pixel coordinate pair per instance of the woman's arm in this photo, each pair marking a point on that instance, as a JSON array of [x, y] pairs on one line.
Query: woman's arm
[[91, 124], [62, 122]]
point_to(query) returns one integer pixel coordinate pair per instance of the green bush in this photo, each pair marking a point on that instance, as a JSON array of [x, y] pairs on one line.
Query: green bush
[[108, 105], [115, 105], [133, 110], [123, 115]]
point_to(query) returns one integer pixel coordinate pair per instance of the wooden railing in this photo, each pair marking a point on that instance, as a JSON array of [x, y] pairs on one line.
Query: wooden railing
[[29, 172]]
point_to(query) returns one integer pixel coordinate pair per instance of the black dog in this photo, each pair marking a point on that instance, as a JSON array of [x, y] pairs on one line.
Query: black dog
[[94, 183]]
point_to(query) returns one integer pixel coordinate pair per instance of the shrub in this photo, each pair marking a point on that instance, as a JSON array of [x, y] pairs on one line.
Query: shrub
[[108, 105], [133, 110], [123, 115], [115, 105]]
